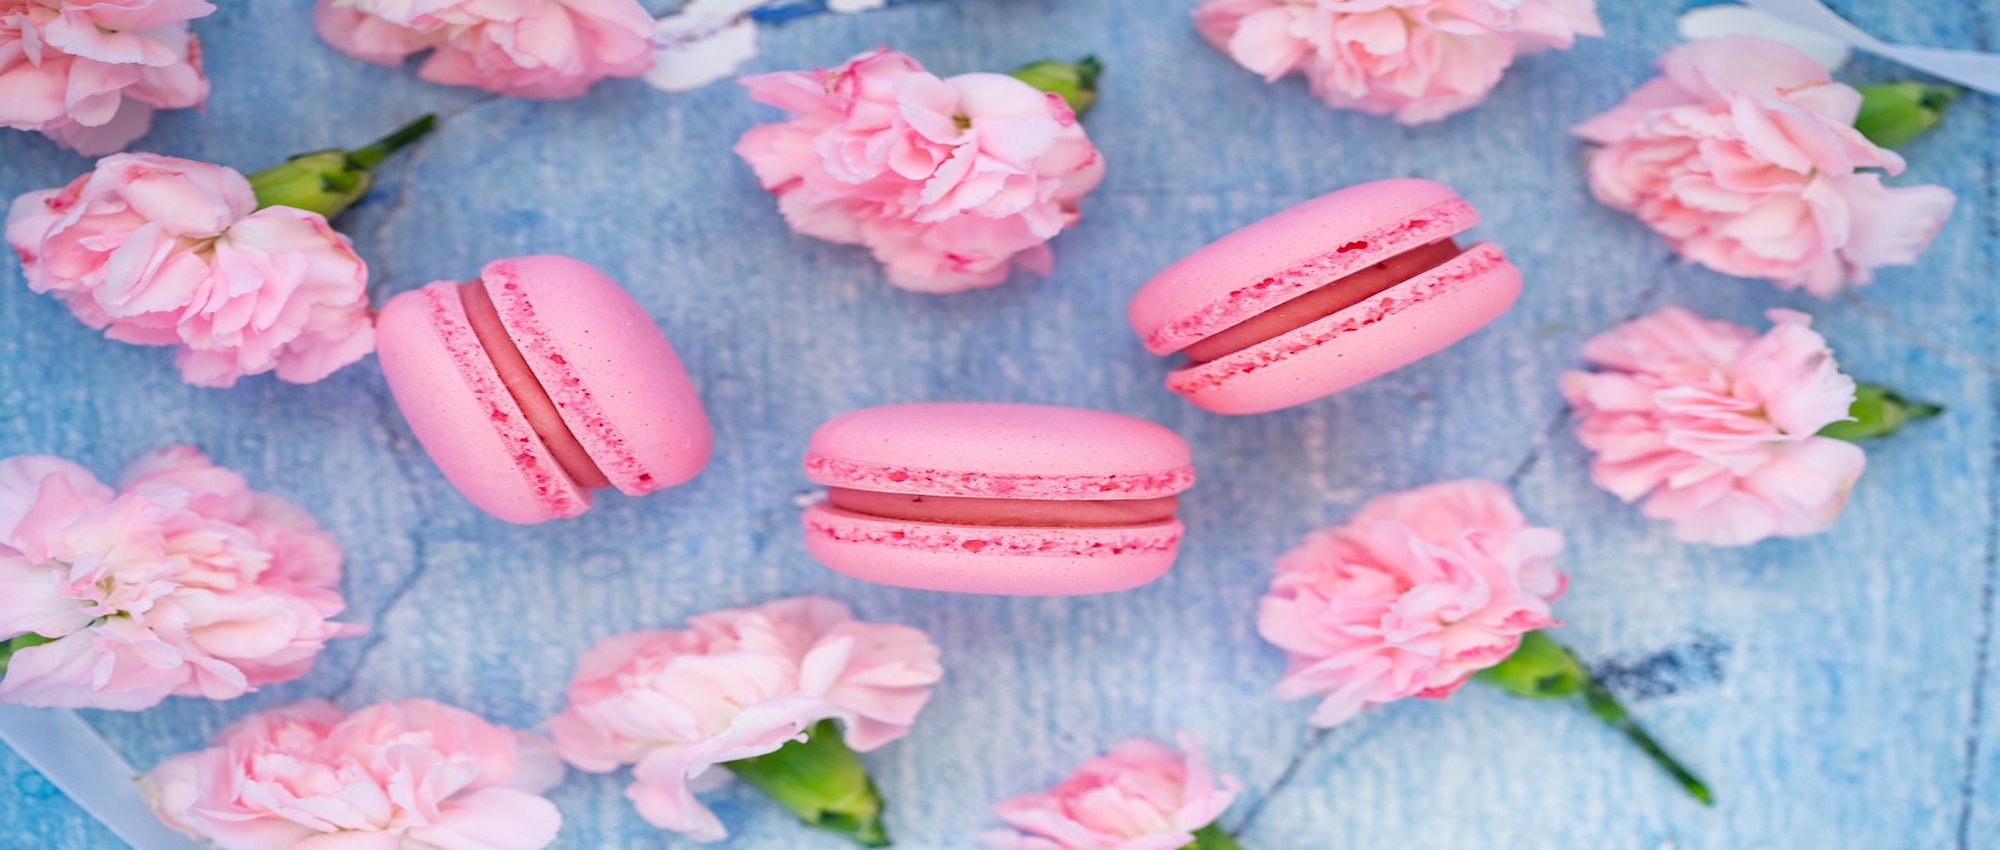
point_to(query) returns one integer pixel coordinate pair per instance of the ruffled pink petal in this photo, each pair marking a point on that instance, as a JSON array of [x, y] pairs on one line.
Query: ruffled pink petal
[[1720, 443], [1138, 796], [948, 183], [492, 819]]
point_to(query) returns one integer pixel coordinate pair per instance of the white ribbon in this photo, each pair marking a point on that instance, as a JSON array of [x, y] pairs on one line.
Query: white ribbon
[[83, 766], [1968, 68]]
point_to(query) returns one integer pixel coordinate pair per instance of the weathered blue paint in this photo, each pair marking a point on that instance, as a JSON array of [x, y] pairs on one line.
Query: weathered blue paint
[[1856, 706]]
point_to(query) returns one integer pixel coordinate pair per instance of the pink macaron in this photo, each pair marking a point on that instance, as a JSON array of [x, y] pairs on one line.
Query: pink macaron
[[1021, 499], [1332, 292], [539, 382]]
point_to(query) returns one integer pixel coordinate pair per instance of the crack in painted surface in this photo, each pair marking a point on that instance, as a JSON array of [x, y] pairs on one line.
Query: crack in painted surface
[[1968, 781], [1284, 779], [1543, 438], [1974, 746], [1916, 338], [399, 449], [386, 413]]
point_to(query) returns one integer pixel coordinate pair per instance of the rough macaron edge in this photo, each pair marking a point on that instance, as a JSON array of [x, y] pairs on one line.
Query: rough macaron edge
[[554, 490], [1440, 220], [1475, 263], [886, 478], [834, 524]]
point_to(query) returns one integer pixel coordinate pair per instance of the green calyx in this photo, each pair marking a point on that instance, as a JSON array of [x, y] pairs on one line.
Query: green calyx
[[1878, 412], [18, 643], [1540, 668], [329, 181], [1075, 82], [1211, 837], [821, 780], [1894, 113]]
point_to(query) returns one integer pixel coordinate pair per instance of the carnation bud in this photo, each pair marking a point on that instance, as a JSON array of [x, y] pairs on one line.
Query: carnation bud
[[331, 180], [1540, 668], [1878, 412], [821, 780], [1894, 113], [1075, 82]]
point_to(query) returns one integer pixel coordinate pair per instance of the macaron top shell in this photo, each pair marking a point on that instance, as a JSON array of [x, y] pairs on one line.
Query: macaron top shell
[[1290, 253], [612, 374], [1017, 451]]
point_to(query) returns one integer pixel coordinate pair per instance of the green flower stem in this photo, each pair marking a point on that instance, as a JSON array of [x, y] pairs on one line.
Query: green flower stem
[[1543, 669], [18, 643], [1211, 837], [1075, 82], [1607, 708], [372, 154], [329, 181], [821, 780], [1878, 412], [1894, 113]]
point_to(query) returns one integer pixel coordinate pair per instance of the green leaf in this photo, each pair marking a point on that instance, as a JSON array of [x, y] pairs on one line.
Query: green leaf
[[1878, 412], [1211, 837], [821, 780], [1075, 82], [329, 181], [1894, 113], [18, 643], [1539, 668]]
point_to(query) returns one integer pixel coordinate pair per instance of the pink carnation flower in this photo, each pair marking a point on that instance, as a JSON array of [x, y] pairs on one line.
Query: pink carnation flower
[[950, 183], [545, 49], [1743, 154], [735, 684], [1715, 427], [1419, 60], [1420, 590], [183, 581], [410, 775], [89, 73], [155, 250], [1139, 796]]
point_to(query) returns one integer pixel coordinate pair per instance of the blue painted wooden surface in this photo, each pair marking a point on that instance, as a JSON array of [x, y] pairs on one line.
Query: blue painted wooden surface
[[1837, 691]]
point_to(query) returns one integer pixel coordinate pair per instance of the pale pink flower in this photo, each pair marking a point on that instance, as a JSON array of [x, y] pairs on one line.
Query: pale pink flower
[[182, 581], [950, 182], [1420, 590], [89, 73], [1139, 796], [409, 775], [735, 684], [545, 49], [1743, 154], [155, 250], [1419, 60], [1716, 427]]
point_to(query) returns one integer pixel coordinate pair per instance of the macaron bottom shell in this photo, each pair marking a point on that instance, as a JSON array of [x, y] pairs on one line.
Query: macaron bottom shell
[[1401, 325], [461, 410], [1015, 561], [538, 382]]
